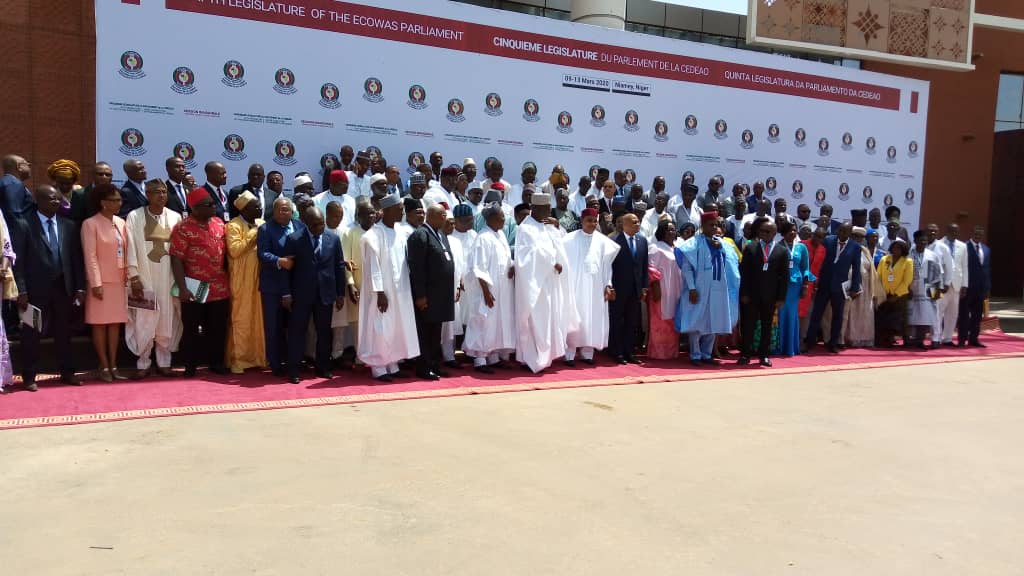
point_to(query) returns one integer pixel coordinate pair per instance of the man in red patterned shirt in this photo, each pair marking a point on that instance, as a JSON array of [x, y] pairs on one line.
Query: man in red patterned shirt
[[197, 254]]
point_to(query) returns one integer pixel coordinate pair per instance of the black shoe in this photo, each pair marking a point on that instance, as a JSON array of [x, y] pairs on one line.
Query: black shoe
[[386, 378], [766, 362], [633, 360], [428, 375], [189, 373], [976, 344], [921, 346], [454, 365], [294, 380], [712, 361], [279, 372], [326, 374], [73, 380], [484, 369], [696, 363], [499, 365], [620, 360], [219, 370], [832, 349], [398, 375], [961, 344], [31, 387], [443, 373], [949, 344], [587, 361], [743, 360], [569, 363]]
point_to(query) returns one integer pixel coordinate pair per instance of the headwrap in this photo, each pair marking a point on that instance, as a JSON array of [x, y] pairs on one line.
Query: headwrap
[[807, 226], [412, 203], [196, 196], [378, 178], [557, 180], [589, 212], [492, 196], [541, 200], [490, 210], [871, 231], [243, 199], [390, 200], [338, 176], [64, 169], [709, 217], [417, 178], [462, 210], [449, 171], [500, 187], [304, 179]]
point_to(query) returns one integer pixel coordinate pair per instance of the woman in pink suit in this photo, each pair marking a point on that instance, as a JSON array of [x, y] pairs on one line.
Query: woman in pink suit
[[104, 244]]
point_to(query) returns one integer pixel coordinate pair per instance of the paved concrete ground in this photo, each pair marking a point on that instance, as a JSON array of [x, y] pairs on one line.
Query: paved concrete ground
[[903, 471]]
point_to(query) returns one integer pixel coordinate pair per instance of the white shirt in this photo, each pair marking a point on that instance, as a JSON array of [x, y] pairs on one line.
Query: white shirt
[[359, 186]]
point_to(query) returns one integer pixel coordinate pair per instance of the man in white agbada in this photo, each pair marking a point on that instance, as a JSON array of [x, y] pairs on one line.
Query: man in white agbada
[[945, 257], [387, 329], [949, 304], [649, 225], [149, 271], [924, 289], [590, 256], [490, 295], [545, 308]]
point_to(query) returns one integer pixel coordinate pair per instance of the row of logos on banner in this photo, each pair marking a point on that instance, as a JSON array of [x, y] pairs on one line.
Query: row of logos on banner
[[184, 82]]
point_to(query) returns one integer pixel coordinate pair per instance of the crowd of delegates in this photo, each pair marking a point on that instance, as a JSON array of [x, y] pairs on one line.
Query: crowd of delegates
[[373, 270]]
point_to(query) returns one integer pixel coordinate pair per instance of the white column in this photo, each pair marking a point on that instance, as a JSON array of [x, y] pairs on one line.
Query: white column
[[607, 13]]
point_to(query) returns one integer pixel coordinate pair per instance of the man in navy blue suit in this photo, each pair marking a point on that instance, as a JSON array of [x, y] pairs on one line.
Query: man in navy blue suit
[[842, 262], [317, 284], [133, 193], [629, 282], [274, 283], [979, 284]]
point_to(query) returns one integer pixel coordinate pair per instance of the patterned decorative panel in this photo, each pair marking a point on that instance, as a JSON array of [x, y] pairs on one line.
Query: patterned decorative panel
[[867, 24], [947, 34], [909, 36], [782, 19]]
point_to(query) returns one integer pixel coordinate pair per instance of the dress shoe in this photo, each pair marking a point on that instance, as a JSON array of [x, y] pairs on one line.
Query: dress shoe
[[443, 373], [165, 372], [832, 349], [632, 360], [569, 363], [428, 376], [326, 374], [499, 365], [141, 374], [743, 360], [453, 364], [71, 380], [398, 375], [278, 372], [766, 362], [189, 373], [105, 375], [117, 375], [484, 369], [696, 363], [31, 387], [949, 344], [976, 344], [219, 370], [587, 361], [712, 361], [620, 360], [386, 378], [294, 380]]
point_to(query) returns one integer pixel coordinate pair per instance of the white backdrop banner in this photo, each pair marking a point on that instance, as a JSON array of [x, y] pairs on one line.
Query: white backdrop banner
[[286, 83]]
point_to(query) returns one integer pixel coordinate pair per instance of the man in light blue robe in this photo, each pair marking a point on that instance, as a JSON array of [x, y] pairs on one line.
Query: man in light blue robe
[[711, 305]]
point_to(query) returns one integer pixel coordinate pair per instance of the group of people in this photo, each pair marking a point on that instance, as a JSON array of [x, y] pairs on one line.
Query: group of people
[[370, 269]]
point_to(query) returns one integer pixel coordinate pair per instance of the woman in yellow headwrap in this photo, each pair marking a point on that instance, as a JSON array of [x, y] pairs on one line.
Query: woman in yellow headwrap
[[65, 175]]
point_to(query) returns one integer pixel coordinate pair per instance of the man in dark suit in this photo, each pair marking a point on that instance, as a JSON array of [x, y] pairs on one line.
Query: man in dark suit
[[216, 178], [133, 193], [275, 267], [629, 281], [842, 262], [764, 278], [317, 285], [176, 191], [50, 276], [979, 284], [432, 276], [256, 178]]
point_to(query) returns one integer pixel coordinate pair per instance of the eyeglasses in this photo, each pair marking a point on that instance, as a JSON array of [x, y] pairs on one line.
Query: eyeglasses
[[113, 199]]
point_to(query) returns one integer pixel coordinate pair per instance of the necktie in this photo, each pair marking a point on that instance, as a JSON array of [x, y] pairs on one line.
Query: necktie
[[220, 196], [952, 247], [316, 246], [51, 239], [632, 246], [839, 251], [181, 194]]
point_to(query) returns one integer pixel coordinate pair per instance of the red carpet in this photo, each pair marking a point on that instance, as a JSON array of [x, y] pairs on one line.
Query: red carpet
[[57, 404]]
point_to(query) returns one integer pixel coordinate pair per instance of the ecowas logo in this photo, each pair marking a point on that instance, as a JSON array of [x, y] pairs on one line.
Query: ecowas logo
[[417, 97], [187, 153], [330, 96], [867, 194], [800, 138], [908, 197], [721, 129], [820, 197], [455, 110], [912, 149], [747, 139], [184, 80], [284, 153], [823, 147], [131, 142], [847, 141], [565, 122], [690, 125], [773, 133], [531, 110], [887, 201], [375, 153], [630, 175], [661, 131], [772, 186], [415, 159], [131, 65], [492, 104], [234, 147], [844, 192], [890, 154], [373, 90], [597, 116], [798, 190], [329, 162], [869, 145], [234, 74], [632, 121], [284, 81]]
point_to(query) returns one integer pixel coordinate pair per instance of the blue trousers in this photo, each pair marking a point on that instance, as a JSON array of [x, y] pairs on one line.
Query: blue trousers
[[275, 329], [701, 346], [822, 299]]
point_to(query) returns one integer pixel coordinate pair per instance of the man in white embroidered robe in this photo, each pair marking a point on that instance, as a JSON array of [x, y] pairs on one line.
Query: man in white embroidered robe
[[590, 256]]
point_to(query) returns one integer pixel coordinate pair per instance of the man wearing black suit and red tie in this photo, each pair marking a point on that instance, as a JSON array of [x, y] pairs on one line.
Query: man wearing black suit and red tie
[[842, 261], [764, 279], [432, 276], [216, 178], [177, 194], [629, 282], [979, 284]]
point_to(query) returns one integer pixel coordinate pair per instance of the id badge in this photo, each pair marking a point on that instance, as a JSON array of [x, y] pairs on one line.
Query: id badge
[[790, 264], [892, 277], [765, 267]]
